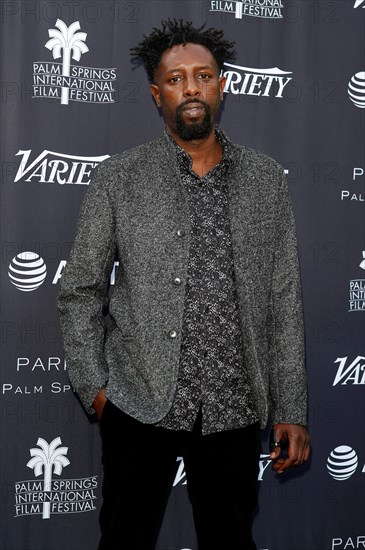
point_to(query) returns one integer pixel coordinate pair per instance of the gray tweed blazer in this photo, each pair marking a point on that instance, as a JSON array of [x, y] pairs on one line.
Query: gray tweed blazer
[[136, 209]]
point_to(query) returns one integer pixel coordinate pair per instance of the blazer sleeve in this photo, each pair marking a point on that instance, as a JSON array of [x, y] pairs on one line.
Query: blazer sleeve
[[84, 289], [288, 389]]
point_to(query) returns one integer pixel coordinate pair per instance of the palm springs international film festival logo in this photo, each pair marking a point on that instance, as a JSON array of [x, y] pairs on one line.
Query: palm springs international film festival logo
[[356, 89], [71, 82], [53, 496], [255, 82], [27, 271], [357, 291], [267, 9]]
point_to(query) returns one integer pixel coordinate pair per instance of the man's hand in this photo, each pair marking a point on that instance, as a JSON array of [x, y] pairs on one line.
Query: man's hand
[[298, 441], [99, 403]]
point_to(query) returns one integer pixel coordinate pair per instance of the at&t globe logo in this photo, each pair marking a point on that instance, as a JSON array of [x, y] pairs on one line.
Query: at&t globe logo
[[356, 89], [27, 271], [342, 462]]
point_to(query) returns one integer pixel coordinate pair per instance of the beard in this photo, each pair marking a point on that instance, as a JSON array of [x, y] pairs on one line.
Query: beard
[[193, 130]]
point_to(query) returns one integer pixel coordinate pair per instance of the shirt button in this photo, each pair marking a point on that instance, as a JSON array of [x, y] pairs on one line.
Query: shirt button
[[172, 333], [180, 232], [177, 281]]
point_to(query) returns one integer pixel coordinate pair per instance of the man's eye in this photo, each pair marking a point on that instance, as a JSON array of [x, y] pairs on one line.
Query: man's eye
[[175, 79], [204, 76]]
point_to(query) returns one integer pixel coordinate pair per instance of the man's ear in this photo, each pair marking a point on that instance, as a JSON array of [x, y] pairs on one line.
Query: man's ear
[[222, 84], [155, 91]]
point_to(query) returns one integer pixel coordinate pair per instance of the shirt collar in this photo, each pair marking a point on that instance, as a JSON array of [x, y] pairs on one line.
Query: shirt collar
[[185, 160]]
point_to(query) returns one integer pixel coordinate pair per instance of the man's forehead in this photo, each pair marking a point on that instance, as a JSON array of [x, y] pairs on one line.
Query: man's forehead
[[187, 54]]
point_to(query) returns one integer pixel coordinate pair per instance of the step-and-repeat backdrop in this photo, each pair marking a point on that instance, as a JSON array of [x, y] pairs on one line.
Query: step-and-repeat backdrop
[[69, 99]]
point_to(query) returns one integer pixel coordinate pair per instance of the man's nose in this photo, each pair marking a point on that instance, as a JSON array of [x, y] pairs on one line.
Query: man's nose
[[191, 86]]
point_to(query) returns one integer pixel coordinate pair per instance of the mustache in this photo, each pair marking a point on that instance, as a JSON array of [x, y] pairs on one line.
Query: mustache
[[180, 107]]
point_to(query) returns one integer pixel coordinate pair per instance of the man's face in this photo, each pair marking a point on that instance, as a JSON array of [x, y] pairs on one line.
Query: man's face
[[188, 90]]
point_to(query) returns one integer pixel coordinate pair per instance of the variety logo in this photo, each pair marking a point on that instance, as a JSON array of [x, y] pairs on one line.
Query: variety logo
[[51, 167], [359, 3], [49, 496], [27, 271], [255, 82], [342, 462], [356, 89], [267, 9], [351, 374], [180, 477], [69, 82]]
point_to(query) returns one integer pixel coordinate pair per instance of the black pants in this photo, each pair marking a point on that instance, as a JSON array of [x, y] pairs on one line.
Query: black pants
[[139, 468]]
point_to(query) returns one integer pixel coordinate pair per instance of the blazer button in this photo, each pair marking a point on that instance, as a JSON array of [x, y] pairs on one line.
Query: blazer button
[[180, 232], [177, 281], [172, 333]]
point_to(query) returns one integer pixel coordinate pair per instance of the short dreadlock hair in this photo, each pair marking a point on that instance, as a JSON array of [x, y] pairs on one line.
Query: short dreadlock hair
[[175, 32]]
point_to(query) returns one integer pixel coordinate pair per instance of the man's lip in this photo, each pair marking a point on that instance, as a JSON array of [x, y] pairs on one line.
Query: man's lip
[[193, 108]]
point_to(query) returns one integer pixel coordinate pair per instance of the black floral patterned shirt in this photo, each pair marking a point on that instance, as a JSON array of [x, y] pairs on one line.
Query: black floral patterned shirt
[[212, 373]]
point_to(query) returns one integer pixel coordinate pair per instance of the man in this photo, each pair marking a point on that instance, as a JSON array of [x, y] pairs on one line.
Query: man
[[204, 337]]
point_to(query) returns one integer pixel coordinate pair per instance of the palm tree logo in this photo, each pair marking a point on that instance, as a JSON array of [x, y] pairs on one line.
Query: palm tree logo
[[46, 458], [239, 6], [362, 264], [72, 45]]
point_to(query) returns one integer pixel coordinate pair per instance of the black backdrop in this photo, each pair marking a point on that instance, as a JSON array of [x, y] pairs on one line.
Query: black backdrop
[[297, 93]]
